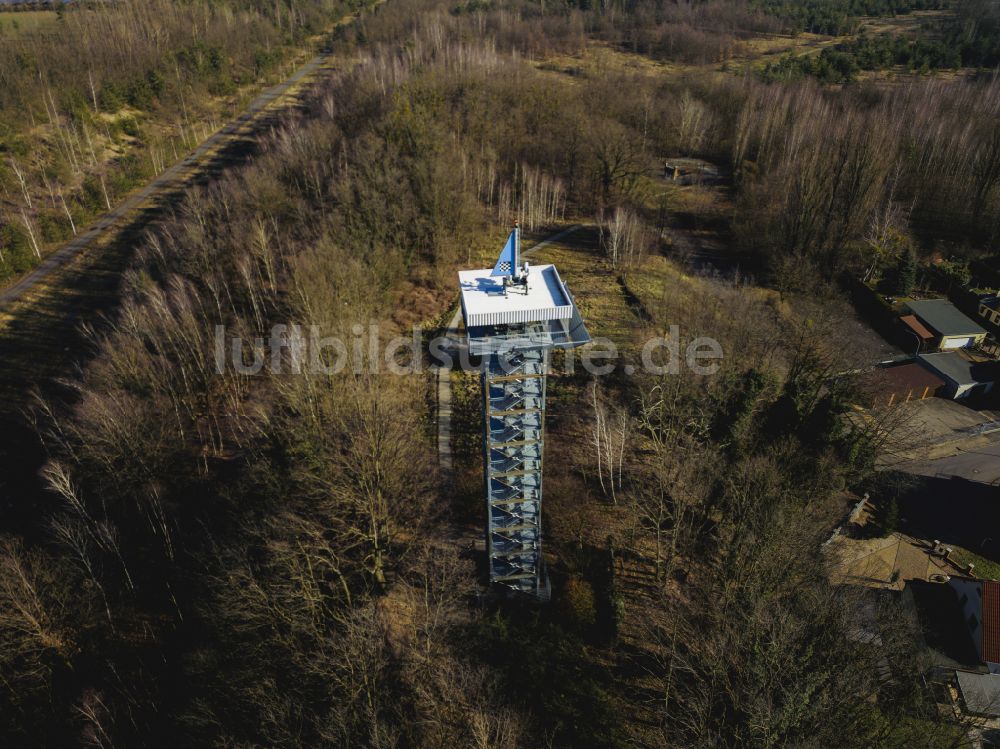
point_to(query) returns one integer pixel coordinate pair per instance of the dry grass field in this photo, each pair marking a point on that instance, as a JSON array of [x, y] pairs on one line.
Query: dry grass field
[[14, 23]]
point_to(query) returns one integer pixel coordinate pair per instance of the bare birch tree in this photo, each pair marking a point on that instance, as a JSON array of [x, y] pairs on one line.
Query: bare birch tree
[[693, 122], [608, 437], [31, 234], [21, 180], [35, 610], [624, 237]]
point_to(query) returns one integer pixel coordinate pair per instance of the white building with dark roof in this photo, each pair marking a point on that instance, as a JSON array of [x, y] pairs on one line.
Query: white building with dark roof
[[963, 377], [951, 328]]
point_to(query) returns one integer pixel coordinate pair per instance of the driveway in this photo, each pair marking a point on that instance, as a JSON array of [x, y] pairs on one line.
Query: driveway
[[981, 464]]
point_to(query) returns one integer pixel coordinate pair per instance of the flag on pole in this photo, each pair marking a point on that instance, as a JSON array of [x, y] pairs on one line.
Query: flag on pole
[[507, 263]]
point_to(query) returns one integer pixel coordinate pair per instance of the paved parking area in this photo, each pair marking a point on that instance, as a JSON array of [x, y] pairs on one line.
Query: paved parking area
[[939, 441], [981, 463], [932, 429], [936, 418]]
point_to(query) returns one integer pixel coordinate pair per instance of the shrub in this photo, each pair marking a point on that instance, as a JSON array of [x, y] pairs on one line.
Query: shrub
[[890, 516], [111, 98], [54, 226], [18, 255], [581, 607]]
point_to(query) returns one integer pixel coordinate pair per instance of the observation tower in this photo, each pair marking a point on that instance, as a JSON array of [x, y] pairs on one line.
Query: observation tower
[[514, 316]]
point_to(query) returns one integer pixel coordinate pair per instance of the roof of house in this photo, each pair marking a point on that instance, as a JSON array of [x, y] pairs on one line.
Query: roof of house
[[957, 369], [991, 622], [944, 318], [993, 302], [913, 324], [901, 378], [980, 692], [943, 624]]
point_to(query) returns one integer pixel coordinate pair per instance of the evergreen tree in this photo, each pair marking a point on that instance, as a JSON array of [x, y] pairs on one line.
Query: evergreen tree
[[906, 273]]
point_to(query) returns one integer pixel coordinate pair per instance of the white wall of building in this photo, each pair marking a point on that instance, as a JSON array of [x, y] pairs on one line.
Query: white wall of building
[[957, 342]]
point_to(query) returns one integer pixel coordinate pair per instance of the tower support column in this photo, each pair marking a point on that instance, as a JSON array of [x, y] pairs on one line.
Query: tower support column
[[513, 383]]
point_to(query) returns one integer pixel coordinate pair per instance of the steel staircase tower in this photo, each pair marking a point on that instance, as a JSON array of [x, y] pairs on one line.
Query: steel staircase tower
[[513, 325], [513, 385]]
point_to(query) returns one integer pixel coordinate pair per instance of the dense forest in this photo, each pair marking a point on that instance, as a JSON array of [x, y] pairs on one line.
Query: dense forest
[[969, 39], [835, 18], [97, 98], [233, 560]]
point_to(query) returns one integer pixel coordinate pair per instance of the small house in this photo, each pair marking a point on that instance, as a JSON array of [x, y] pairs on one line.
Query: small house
[[989, 310], [980, 602], [963, 377], [950, 327], [980, 693]]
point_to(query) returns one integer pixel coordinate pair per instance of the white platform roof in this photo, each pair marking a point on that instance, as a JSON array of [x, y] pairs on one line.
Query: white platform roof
[[484, 301]]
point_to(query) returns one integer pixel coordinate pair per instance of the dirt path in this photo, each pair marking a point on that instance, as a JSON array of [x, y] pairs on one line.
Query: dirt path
[[173, 177], [41, 316], [444, 401]]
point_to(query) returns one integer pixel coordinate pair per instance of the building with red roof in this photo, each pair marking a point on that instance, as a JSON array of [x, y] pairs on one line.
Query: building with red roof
[[989, 646], [980, 601], [903, 382]]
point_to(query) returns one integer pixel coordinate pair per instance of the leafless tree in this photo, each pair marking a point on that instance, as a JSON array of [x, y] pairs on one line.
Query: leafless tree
[[624, 237], [619, 163], [19, 174], [886, 227], [31, 234], [35, 606], [609, 435], [693, 122]]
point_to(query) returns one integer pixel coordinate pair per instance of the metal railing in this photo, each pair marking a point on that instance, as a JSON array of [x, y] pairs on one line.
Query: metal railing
[[498, 343]]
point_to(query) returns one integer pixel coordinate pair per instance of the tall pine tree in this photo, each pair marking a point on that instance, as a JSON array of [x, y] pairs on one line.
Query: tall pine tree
[[906, 273]]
